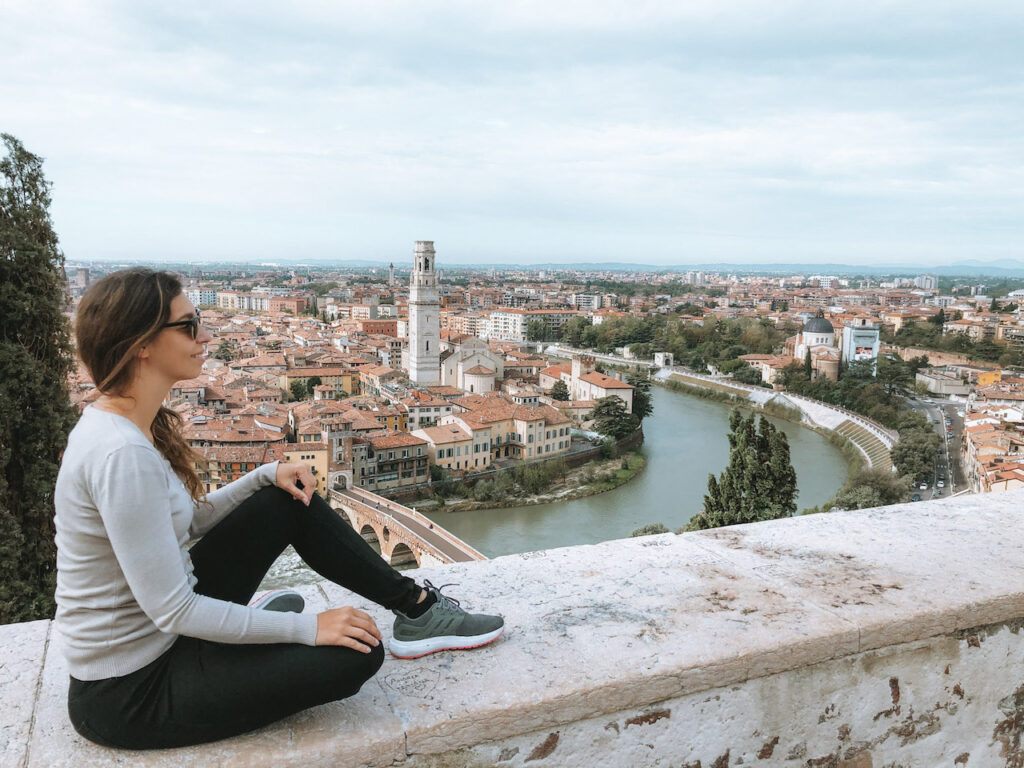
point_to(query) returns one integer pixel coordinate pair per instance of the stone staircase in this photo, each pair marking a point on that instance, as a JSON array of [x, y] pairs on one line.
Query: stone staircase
[[871, 446]]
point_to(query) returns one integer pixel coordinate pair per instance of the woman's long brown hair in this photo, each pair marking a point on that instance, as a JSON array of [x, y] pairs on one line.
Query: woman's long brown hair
[[117, 316]]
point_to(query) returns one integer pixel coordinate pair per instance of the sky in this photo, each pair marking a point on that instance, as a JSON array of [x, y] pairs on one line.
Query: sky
[[665, 133]]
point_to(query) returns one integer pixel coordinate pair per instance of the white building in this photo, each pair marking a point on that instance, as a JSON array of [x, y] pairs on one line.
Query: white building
[[860, 341], [422, 358], [927, 282], [472, 367], [511, 324], [202, 297], [585, 300]]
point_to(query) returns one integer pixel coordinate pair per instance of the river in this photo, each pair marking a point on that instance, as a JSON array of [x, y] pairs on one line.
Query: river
[[685, 440]]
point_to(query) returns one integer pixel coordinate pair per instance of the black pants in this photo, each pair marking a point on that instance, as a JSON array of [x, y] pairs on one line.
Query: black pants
[[200, 691]]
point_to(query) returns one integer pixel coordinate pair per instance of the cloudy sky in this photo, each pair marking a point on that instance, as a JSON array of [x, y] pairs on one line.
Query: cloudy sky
[[659, 133]]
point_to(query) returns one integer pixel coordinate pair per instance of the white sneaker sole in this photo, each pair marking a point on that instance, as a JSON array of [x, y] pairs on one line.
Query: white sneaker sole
[[413, 649], [284, 601]]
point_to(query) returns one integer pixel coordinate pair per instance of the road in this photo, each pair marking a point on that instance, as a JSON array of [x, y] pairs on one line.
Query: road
[[945, 418]]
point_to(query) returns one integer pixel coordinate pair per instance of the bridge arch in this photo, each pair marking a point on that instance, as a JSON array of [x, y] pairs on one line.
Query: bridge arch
[[370, 536], [401, 555]]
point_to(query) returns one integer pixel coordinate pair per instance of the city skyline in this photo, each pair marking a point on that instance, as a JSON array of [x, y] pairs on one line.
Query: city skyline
[[658, 135]]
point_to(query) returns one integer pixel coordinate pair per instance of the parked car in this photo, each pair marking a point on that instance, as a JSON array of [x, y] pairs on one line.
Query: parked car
[[916, 497], [923, 486], [941, 484]]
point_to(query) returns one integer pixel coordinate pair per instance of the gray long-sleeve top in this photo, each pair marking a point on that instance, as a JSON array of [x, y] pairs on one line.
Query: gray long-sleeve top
[[124, 575]]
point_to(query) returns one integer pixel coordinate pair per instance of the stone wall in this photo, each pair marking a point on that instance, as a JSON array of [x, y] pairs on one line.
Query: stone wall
[[881, 637]]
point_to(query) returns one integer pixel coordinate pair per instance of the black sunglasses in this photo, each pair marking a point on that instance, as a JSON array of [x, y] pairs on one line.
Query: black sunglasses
[[192, 324]]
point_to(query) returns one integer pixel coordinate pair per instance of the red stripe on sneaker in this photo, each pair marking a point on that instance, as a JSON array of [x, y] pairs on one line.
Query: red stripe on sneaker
[[452, 648]]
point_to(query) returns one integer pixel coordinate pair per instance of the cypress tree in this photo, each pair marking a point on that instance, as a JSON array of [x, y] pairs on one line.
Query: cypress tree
[[35, 411], [758, 484]]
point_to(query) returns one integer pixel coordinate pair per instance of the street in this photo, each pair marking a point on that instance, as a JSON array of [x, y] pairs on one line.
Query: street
[[946, 419]]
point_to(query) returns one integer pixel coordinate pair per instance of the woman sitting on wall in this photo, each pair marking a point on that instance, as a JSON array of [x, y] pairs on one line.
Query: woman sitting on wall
[[163, 647]]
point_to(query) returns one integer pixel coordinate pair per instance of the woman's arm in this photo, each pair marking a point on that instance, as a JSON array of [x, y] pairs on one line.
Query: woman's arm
[[211, 509], [132, 495]]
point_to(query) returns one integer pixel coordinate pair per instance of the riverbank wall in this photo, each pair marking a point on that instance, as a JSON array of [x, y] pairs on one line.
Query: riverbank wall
[[871, 439]]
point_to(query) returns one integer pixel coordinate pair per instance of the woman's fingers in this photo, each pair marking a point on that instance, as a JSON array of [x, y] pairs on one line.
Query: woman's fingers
[[349, 627]]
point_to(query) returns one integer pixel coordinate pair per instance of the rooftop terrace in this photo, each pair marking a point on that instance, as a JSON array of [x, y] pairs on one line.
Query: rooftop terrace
[[879, 637]]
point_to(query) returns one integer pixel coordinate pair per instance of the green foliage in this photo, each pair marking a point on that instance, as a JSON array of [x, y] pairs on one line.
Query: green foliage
[[537, 330], [758, 484], [694, 346], [573, 330], [612, 419], [537, 477], [649, 530], [560, 391], [609, 449], [35, 411], [298, 390], [914, 453], [867, 488], [643, 403], [747, 375], [225, 351], [928, 335], [313, 381], [689, 308]]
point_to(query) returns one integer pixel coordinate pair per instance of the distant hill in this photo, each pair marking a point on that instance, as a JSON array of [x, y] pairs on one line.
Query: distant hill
[[967, 268]]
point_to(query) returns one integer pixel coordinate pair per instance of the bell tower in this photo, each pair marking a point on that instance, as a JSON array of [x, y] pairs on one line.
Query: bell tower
[[424, 323]]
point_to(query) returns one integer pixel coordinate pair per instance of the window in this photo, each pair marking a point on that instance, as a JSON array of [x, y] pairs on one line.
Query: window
[[405, 453], [428, 346], [529, 438], [391, 454]]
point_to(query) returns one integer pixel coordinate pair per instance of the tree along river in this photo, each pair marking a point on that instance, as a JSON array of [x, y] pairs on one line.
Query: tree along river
[[685, 440]]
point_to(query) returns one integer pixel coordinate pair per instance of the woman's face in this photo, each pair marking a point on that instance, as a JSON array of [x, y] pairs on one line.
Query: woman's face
[[173, 354]]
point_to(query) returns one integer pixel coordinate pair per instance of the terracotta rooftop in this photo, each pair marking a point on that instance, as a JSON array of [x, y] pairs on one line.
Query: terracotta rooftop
[[603, 381], [397, 440]]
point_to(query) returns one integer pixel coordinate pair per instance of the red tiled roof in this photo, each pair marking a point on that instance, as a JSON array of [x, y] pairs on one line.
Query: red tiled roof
[[603, 381]]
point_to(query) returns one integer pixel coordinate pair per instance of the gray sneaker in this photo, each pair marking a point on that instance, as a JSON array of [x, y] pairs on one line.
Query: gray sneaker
[[284, 600], [444, 627]]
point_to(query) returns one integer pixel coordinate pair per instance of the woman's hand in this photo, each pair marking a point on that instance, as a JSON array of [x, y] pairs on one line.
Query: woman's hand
[[288, 474], [349, 627]]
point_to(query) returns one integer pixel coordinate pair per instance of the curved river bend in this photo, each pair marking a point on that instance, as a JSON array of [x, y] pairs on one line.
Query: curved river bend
[[685, 440]]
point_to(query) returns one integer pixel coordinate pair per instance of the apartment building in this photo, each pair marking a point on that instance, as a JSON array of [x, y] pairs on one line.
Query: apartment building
[[387, 461], [511, 324]]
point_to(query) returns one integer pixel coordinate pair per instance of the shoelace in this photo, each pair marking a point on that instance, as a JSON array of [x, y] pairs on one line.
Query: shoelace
[[453, 601]]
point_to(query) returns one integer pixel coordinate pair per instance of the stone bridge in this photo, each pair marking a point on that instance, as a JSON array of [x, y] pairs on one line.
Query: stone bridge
[[401, 534]]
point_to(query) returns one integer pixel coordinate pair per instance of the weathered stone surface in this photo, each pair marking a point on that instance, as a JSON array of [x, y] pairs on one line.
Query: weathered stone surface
[[22, 648], [358, 731], [892, 707], [597, 628], [898, 573], [888, 636]]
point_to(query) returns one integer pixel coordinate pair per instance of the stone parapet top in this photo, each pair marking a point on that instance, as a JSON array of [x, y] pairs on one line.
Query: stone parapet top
[[598, 629]]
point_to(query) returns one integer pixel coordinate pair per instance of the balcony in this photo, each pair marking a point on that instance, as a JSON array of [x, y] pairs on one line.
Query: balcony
[[876, 637]]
